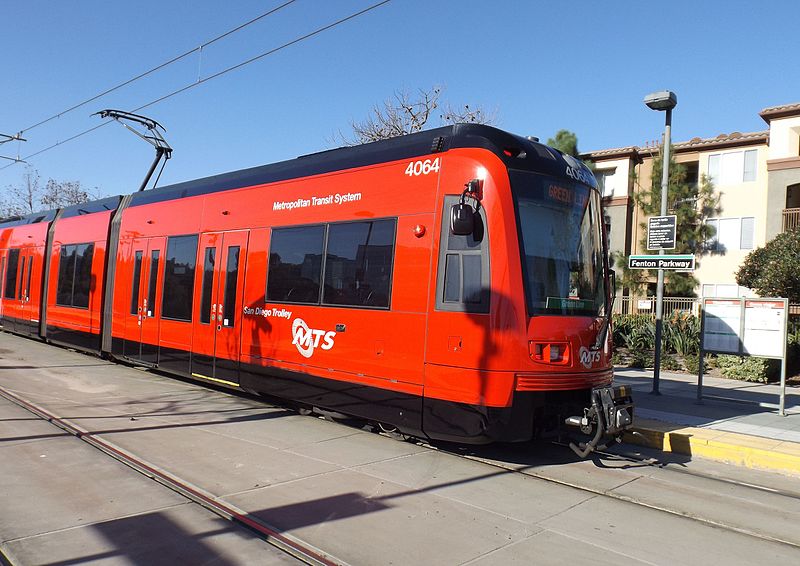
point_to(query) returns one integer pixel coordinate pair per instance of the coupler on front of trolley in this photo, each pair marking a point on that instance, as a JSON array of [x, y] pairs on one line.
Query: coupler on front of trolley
[[605, 420]]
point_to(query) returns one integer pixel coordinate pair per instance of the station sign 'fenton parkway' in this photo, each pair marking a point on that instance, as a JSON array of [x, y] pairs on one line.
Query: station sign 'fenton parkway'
[[683, 262], [661, 232]]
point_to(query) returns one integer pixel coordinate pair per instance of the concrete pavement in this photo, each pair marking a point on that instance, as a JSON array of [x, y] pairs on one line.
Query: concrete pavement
[[360, 497], [737, 422]]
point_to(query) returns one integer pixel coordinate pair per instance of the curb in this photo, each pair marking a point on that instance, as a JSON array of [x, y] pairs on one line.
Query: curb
[[729, 447]]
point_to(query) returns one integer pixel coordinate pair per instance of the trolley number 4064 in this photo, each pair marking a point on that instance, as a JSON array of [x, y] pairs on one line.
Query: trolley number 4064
[[417, 168]]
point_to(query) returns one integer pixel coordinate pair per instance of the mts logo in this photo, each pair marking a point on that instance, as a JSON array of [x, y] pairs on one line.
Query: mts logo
[[308, 339], [588, 357]]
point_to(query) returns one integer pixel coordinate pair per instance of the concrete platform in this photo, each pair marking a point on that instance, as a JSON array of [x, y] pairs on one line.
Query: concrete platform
[[359, 497], [737, 422]]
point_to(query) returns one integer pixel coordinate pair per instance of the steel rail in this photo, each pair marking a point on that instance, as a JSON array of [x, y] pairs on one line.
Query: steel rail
[[287, 543]]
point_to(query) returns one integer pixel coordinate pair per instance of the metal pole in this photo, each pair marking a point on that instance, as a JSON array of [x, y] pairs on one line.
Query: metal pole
[[782, 406], [660, 286]]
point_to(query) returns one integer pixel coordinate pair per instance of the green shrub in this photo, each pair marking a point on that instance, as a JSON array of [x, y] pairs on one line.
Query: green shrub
[[692, 363], [641, 337], [669, 362], [618, 358], [750, 368], [682, 333], [772, 271], [793, 347], [641, 359], [626, 324]]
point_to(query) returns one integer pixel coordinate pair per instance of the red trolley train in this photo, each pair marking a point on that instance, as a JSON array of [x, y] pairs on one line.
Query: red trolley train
[[452, 284]]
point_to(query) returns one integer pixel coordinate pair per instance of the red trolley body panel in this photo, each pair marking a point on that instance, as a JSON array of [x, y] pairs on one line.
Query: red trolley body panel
[[79, 250], [22, 262], [338, 281]]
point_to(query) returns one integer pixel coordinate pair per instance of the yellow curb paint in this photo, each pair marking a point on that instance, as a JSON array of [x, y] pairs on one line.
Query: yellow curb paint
[[732, 448]]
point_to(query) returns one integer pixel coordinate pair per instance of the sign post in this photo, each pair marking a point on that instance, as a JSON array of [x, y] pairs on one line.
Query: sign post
[[660, 262], [745, 327]]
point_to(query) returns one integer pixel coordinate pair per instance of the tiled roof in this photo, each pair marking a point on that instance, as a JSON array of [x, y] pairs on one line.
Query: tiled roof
[[735, 137], [631, 149], [722, 140], [782, 111]]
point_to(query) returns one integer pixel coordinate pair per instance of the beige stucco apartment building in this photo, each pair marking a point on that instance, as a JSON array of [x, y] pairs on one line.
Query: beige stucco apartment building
[[755, 174]]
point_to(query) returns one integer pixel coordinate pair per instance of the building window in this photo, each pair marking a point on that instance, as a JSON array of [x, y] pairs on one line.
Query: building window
[[604, 181], [75, 275], [732, 168], [731, 234], [750, 165], [179, 269]]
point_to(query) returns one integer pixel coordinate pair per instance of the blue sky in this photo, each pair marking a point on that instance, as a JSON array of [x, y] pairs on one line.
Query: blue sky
[[584, 66]]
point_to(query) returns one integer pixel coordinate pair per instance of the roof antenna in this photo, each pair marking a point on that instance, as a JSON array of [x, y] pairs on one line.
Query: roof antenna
[[154, 138]]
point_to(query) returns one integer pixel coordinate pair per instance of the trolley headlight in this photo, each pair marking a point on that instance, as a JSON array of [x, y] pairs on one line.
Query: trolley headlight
[[549, 352]]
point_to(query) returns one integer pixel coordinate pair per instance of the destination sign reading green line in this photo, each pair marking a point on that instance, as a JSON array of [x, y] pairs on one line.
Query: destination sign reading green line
[[676, 262]]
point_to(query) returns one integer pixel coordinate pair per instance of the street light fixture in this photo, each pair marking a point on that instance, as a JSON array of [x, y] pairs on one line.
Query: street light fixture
[[661, 100]]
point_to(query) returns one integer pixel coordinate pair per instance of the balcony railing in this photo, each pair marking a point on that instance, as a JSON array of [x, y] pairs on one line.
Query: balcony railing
[[791, 219]]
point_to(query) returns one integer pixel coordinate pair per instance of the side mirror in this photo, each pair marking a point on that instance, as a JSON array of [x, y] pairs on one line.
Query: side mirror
[[462, 219]]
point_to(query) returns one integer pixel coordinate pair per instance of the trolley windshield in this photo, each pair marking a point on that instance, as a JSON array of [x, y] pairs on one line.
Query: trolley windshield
[[561, 245]]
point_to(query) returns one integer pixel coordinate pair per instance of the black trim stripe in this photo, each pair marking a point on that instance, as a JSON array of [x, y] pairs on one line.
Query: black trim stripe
[[531, 155], [85, 341]]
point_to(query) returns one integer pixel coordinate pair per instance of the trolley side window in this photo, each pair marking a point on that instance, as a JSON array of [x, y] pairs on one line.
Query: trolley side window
[[295, 264], [179, 278], [358, 263], [209, 259], [11, 274], [231, 281], [137, 282], [151, 291], [74, 275], [462, 283], [21, 294], [28, 282]]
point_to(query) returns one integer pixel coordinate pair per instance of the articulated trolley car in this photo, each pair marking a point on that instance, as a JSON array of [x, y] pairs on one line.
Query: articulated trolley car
[[451, 284]]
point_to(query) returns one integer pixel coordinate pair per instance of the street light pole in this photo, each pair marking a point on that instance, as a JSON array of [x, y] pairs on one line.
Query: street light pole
[[664, 100]]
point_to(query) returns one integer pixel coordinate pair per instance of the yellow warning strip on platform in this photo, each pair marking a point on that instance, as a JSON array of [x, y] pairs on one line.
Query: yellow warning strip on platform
[[740, 449], [215, 380]]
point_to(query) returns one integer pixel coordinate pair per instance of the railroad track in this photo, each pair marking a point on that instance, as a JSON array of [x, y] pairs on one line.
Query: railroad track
[[498, 458], [304, 552], [639, 461]]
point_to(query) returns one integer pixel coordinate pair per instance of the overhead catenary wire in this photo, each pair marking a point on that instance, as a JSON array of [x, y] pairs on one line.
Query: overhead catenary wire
[[214, 76], [157, 67]]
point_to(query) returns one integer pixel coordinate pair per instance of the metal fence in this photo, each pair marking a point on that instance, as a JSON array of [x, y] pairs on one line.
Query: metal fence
[[647, 305]]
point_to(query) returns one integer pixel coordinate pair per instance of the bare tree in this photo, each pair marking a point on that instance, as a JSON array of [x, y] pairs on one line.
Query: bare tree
[[65, 193], [29, 196], [405, 113], [18, 200]]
